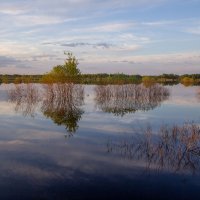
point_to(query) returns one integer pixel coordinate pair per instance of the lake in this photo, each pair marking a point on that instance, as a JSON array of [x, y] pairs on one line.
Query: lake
[[99, 142]]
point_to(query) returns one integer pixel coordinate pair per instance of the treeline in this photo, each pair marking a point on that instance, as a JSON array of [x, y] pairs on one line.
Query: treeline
[[110, 78], [185, 79], [120, 78], [68, 72], [17, 78]]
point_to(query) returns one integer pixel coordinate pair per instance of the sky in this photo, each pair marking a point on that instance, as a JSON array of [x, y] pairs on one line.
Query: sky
[[106, 36]]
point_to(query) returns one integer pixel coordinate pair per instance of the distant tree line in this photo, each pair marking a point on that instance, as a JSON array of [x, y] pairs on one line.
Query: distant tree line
[[17, 78], [120, 78], [69, 73]]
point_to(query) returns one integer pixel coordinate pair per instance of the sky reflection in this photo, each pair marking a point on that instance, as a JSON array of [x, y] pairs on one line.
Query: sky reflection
[[44, 158]]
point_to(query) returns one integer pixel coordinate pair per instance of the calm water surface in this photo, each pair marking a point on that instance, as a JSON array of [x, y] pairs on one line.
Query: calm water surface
[[99, 142]]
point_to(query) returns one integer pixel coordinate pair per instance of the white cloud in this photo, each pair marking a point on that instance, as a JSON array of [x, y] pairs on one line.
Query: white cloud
[[179, 58], [195, 30], [161, 23], [112, 27], [135, 38], [17, 49], [10, 9]]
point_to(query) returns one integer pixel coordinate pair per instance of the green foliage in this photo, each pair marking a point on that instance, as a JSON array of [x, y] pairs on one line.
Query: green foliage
[[118, 78], [68, 72], [148, 81], [70, 66], [187, 81], [4, 79], [169, 77], [17, 78]]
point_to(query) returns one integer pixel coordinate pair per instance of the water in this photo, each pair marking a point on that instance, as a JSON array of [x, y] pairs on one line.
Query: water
[[99, 142]]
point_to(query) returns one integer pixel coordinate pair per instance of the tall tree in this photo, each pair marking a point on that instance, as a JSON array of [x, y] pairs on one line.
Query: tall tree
[[68, 72]]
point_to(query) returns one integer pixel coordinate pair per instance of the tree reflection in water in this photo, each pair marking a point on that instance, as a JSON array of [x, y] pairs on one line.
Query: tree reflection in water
[[176, 148], [62, 104], [59, 102], [26, 98], [122, 99]]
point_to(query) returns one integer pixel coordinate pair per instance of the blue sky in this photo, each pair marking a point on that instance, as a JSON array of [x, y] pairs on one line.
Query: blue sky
[[111, 36]]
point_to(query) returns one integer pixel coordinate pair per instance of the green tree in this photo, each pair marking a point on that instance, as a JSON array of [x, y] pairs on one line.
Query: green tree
[[68, 72], [187, 81], [71, 65], [148, 81], [18, 80], [4, 79]]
